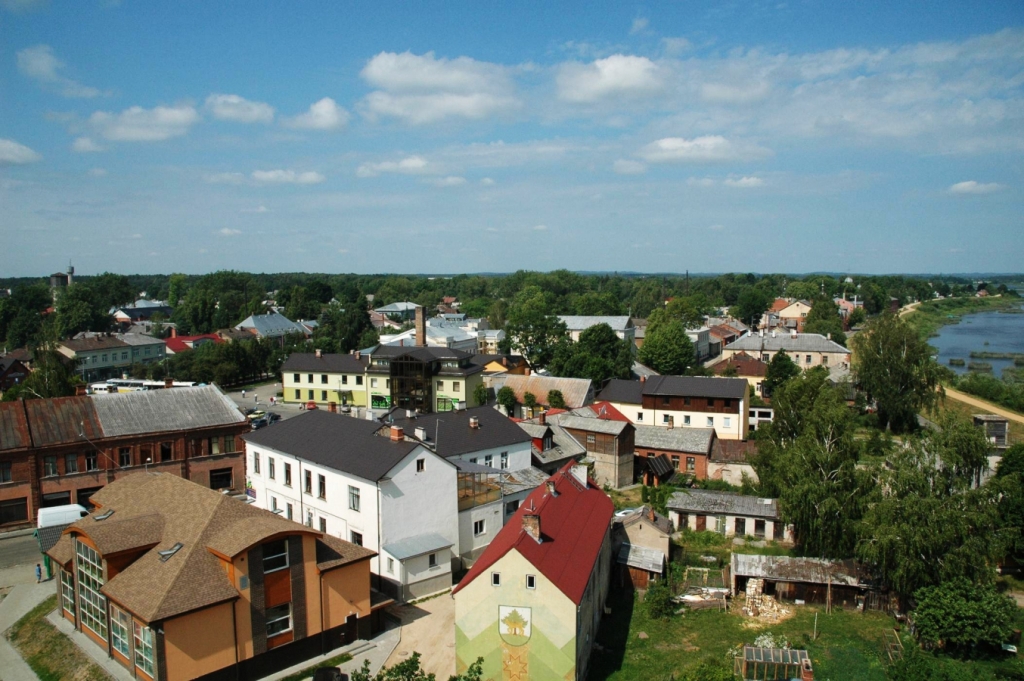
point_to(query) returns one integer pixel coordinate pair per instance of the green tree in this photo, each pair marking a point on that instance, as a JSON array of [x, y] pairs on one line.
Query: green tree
[[895, 367], [78, 309], [555, 399], [858, 316], [667, 348], [960, 615], [21, 316], [658, 600], [480, 394], [507, 398], [598, 355], [409, 670], [1009, 487], [779, 370], [751, 304], [530, 401], [917, 665], [52, 375], [111, 290], [176, 289], [824, 319], [531, 329]]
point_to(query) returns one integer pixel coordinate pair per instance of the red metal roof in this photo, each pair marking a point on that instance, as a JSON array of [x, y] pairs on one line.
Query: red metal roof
[[573, 525], [62, 419], [181, 343], [14, 426], [607, 412]]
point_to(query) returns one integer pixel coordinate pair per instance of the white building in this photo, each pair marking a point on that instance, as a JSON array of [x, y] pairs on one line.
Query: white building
[[367, 484], [621, 325]]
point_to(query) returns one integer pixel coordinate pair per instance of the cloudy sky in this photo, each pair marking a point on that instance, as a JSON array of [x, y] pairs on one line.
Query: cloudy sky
[[457, 137]]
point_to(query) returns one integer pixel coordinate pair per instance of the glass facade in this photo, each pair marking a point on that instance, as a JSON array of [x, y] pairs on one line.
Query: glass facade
[[144, 648], [120, 624], [93, 604]]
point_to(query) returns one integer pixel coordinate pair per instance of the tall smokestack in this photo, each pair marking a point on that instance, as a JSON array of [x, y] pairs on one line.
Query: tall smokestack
[[421, 327]]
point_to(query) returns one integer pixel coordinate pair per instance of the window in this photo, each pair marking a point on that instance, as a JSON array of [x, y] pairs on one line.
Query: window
[[391, 566], [473, 460], [344, 380], [686, 420], [686, 401], [691, 464], [275, 554], [91, 463], [591, 438], [359, 380], [639, 416], [321, 482], [256, 463], [711, 403], [488, 460], [93, 610], [147, 351], [67, 591], [49, 466], [214, 445], [309, 377], [727, 422], [298, 394], [270, 462], [166, 451], [119, 623], [323, 524], [323, 395], [711, 422], [675, 461], [279, 619], [824, 360], [124, 355], [289, 513], [504, 460], [323, 379], [421, 464], [440, 386], [765, 358], [273, 503], [221, 478], [309, 482], [728, 403], [144, 644], [70, 463], [104, 359], [356, 538], [309, 394], [13, 510], [432, 561], [296, 378], [373, 382], [531, 581], [495, 579], [665, 418], [5, 471], [288, 475], [353, 498], [456, 386], [511, 507], [478, 528], [666, 401], [808, 359], [94, 358]]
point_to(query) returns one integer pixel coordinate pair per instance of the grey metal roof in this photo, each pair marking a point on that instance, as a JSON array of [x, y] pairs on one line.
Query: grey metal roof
[[582, 322], [522, 479], [723, 503], [788, 569], [689, 440], [643, 515], [592, 424], [450, 434], [272, 325], [49, 536], [155, 411], [417, 546], [642, 557], [326, 363], [533, 429], [336, 441], [139, 339], [396, 307], [803, 342]]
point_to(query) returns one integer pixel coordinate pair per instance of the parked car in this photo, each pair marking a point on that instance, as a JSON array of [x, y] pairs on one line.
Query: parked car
[[329, 674], [259, 423], [311, 405], [257, 414], [272, 417]]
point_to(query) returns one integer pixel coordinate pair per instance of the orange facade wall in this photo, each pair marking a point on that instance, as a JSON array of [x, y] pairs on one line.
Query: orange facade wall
[[312, 576], [243, 616], [199, 642], [346, 592]]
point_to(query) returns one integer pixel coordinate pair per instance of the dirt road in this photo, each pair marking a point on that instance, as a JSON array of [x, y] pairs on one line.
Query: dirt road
[[981, 404], [428, 629]]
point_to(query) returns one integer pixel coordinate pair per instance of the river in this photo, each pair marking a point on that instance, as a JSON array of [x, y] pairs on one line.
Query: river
[[982, 332]]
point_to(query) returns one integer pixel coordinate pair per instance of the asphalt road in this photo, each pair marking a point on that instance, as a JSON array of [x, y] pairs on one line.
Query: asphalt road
[[19, 551]]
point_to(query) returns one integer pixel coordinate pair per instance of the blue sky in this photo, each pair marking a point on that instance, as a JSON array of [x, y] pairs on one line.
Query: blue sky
[[488, 137]]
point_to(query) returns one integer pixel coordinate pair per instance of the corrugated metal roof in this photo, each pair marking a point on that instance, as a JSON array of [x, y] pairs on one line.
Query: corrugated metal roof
[[689, 440], [327, 363], [803, 342], [594, 425], [788, 569], [417, 546], [723, 503], [642, 557], [64, 419], [154, 411], [271, 325], [14, 433], [582, 322]]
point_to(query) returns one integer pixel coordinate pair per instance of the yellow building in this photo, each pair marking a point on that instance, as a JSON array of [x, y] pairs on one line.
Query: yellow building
[[325, 378]]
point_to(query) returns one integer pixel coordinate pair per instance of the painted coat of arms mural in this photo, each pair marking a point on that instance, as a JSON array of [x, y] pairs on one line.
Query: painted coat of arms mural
[[514, 627]]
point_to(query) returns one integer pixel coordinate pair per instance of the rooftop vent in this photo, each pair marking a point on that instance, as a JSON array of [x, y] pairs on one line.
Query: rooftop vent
[[104, 515], [474, 422], [551, 488], [421, 433], [166, 554]]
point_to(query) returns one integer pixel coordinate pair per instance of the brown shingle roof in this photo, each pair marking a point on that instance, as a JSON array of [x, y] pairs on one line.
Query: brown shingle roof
[[332, 552]]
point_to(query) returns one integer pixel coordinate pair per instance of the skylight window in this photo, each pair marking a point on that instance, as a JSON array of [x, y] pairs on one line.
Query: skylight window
[[166, 554], [104, 516]]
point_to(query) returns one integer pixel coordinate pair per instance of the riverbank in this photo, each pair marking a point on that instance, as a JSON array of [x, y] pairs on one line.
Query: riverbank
[[928, 317]]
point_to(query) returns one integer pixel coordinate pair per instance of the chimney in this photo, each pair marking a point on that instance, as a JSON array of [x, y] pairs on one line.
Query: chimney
[[168, 382], [421, 433], [474, 422], [671, 422], [526, 371], [651, 515], [401, 342], [579, 471], [80, 389], [421, 327], [643, 379], [351, 352], [504, 361], [793, 334], [551, 488], [397, 433], [332, 407], [828, 335], [174, 332], [359, 355], [762, 333], [319, 354], [542, 418], [531, 526], [806, 671]]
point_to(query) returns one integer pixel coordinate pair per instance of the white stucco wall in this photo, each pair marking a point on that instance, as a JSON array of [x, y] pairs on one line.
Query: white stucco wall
[[415, 503]]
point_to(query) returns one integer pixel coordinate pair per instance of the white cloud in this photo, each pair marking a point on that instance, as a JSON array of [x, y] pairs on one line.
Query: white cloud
[[705, 149], [625, 167], [639, 25], [411, 165], [450, 181], [98, 172], [145, 125], [12, 153], [226, 178], [287, 177], [85, 145], [227, 231], [239, 109], [540, 228], [700, 182], [615, 76], [744, 182], [421, 89], [974, 187], [487, 182], [731, 93], [322, 115], [41, 64], [676, 46]]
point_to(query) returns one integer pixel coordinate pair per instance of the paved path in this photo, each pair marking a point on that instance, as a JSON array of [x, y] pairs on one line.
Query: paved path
[[19, 550], [428, 629], [24, 596], [988, 407]]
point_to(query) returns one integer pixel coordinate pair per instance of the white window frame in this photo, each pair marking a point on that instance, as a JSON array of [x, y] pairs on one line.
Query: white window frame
[[67, 591], [432, 563], [504, 461], [495, 579], [531, 581], [482, 525], [711, 422], [639, 416], [256, 463], [120, 622], [93, 604], [354, 502], [286, 618], [144, 649], [391, 565], [727, 422], [285, 565]]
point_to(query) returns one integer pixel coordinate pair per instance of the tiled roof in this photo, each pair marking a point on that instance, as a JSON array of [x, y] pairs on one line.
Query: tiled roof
[[723, 503], [802, 342], [182, 343], [689, 440], [575, 391], [327, 363], [450, 434], [744, 363], [49, 536], [573, 526], [735, 451], [601, 410], [332, 552], [336, 441], [90, 344], [582, 322]]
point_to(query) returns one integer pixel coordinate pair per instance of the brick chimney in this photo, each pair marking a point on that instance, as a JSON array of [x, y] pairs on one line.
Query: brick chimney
[[651, 515], [531, 526], [526, 371], [80, 389], [542, 418], [474, 422], [421, 327], [397, 433], [332, 407], [806, 671], [643, 379], [671, 422], [168, 382], [551, 488], [319, 354], [174, 332]]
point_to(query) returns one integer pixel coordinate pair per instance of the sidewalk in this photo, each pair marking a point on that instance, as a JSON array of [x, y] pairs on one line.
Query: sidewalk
[[376, 650], [25, 595]]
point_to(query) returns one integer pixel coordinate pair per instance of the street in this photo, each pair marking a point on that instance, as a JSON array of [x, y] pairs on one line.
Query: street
[[19, 551]]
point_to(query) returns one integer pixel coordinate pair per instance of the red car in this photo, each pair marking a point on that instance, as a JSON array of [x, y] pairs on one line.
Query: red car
[[310, 405]]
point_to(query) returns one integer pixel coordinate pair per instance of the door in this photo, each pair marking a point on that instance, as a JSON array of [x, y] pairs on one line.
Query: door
[[702, 523]]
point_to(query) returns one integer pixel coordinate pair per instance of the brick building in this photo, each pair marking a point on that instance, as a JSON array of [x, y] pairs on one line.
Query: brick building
[[62, 450]]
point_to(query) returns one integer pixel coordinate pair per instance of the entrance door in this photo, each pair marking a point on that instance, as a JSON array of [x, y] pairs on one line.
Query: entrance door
[[702, 523]]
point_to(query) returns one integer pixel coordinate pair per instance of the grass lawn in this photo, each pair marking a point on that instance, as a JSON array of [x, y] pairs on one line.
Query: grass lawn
[[968, 411], [629, 498], [50, 654], [848, 648]]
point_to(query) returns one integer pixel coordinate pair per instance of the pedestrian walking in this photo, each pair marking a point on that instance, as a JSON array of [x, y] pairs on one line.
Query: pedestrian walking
[[255, 398], [243, 393], [39, 573]]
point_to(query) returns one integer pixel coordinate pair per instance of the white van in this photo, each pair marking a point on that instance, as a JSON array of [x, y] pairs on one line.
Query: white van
[[61, 515]]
